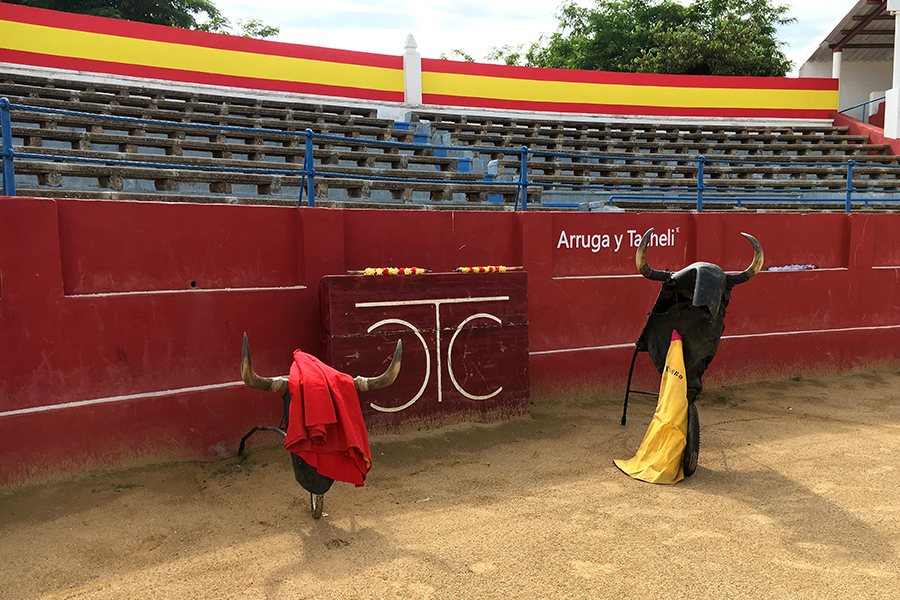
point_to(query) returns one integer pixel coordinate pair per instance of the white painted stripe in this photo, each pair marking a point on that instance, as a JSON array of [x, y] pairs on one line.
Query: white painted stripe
[[110, 399], [218, 386], [584, 349], [190, 291], [726, 337], [887, 267], [805, 331], [761, 272], [434, 301], [630, 275]]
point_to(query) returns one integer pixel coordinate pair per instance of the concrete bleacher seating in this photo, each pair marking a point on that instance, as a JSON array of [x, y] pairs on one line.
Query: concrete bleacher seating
[[800, 157], [598, 137], [349, 166], [368, 160]]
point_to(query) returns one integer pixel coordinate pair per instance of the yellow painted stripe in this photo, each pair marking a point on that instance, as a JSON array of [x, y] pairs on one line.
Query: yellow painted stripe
[[481, 86], [149, 53]]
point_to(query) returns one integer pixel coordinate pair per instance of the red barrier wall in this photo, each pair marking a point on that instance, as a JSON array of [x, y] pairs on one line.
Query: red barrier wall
[[121, 322], [875, 132]]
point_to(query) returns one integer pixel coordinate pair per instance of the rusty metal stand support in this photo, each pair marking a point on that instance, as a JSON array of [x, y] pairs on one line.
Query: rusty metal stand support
[[628, 389]]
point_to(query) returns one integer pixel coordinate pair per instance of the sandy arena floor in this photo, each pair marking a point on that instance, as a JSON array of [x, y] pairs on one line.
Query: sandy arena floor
[[797, 496]]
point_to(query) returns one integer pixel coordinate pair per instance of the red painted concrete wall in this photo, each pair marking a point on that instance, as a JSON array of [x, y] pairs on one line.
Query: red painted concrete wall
[[121, 322], [871, 129]]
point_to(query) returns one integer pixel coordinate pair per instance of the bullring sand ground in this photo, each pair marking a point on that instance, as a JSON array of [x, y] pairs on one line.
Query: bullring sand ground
[[797, 495]]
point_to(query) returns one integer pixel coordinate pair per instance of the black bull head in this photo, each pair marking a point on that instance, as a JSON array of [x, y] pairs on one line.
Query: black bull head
[[305, 474], [692, 301]]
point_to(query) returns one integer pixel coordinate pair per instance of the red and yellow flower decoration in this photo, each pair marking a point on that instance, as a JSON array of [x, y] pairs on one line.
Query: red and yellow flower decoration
[[394, 271], [491, 269]]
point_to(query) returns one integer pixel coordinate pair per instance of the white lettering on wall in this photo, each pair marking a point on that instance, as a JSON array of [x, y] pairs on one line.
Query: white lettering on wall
[[599, 241]]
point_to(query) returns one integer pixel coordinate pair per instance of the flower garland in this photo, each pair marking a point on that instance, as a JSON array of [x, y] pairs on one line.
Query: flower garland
[[376, 271], [491, 269], [390, 271]]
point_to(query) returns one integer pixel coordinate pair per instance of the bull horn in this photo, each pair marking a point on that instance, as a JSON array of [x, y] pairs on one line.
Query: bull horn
[[280, 384], [266, 384], [754, 267], [367, 384], [640, 259]]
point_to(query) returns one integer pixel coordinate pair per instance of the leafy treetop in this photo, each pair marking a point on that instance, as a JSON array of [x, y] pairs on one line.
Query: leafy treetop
[[706, 37], [172, 13]]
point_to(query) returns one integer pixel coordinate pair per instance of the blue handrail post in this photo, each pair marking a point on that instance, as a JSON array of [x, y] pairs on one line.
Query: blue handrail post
[[850, 164], [700, 162], [309, 172], [864, 106], [522, 190], [9, 176]]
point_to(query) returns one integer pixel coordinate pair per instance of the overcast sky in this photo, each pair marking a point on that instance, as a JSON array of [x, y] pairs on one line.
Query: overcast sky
[[474, 26]]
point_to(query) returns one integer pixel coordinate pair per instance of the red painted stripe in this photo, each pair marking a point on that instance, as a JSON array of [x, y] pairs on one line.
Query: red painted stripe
[[619, 109], [175, 35], [691, 81], [184, 76]]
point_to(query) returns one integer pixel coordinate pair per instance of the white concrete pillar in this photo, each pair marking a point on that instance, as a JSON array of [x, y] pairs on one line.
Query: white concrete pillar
[[412, 72], [836, 65], [892, 96]]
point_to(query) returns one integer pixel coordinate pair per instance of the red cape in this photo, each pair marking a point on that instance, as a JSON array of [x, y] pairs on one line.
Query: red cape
[[326, 427]]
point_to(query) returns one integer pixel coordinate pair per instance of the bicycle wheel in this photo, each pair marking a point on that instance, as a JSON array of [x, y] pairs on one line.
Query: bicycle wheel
[[692, 448]]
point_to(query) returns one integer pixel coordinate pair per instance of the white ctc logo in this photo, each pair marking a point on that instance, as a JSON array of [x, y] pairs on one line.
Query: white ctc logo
[[437, 319]]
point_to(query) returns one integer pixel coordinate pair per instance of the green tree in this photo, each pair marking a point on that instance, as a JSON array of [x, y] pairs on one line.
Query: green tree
[[456, 54], [253, 28], [707, 37], [187, 14], [508, 55], [723, 37]]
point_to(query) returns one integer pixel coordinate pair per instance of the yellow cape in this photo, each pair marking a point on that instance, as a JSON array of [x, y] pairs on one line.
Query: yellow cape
[[660, 457]]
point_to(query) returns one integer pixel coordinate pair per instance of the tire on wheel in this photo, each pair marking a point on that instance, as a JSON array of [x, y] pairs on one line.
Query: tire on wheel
[[315, 504], [692, 448]]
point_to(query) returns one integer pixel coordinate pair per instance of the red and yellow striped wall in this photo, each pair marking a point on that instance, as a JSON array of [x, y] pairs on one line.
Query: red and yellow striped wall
[[52, 39], [475, 85]]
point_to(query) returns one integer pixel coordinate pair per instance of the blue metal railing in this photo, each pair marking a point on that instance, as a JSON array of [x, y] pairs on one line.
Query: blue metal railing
[[864, 106], [9, 179], [308, 172]]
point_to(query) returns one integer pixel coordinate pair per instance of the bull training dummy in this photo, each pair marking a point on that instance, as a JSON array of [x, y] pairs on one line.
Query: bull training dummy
[[691, 303], [324, 428]]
